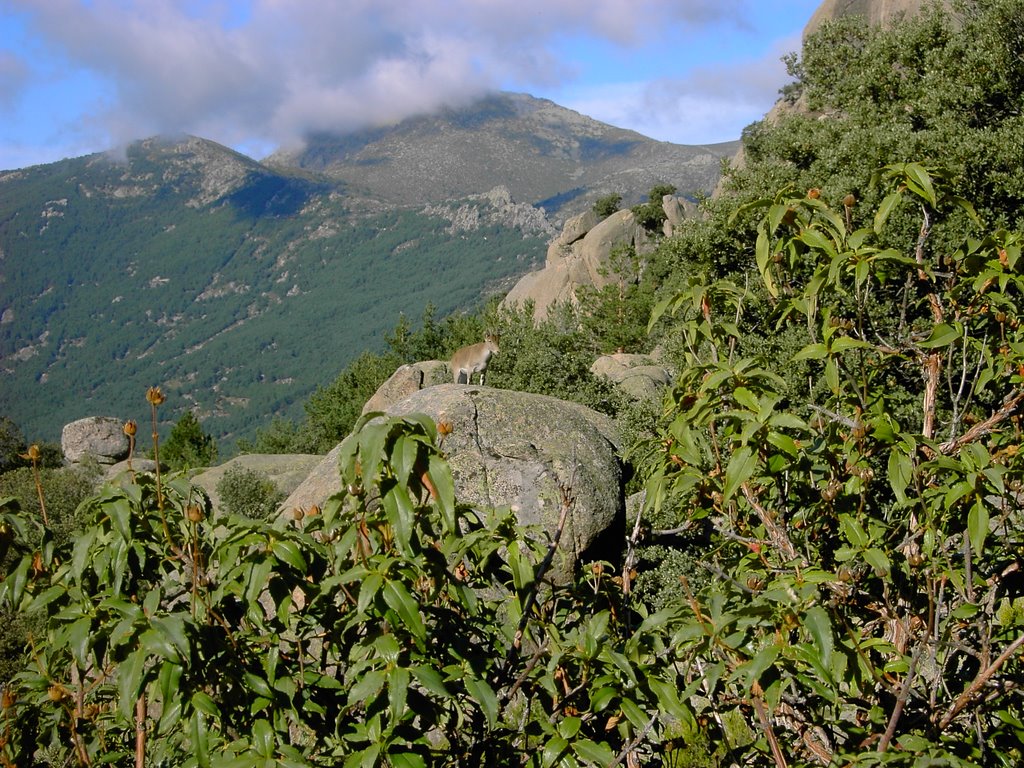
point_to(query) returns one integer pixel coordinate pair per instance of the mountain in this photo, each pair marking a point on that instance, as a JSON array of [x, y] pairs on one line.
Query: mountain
[[240, 286], [546, 155]]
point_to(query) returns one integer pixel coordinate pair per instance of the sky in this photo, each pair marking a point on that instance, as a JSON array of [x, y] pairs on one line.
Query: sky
[[83, 76]]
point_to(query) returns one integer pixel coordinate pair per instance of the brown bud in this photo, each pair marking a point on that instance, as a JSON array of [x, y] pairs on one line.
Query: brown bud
[[298, 514], [56, 692], [130, 428], [313, 511], [7, 700], [155, 396], [194, 513], [444, 428], [849, 201], [813, 193]]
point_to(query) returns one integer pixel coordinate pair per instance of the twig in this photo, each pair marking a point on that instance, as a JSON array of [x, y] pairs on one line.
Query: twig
[[626, 750], [140, 731], [762, 716], [983, 677], [901, 702], [983, 428]]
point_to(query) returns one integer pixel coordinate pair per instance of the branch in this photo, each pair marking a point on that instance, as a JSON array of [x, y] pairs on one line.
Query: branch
[[985, 427], [983, 677]]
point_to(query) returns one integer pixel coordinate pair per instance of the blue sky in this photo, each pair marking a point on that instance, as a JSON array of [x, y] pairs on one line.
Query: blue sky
[[82, 76]]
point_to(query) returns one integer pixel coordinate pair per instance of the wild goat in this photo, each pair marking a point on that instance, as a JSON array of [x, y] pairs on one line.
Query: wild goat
[[473, 359]]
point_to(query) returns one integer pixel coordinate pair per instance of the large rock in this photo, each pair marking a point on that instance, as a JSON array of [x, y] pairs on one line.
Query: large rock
[[517, 450], [579, 256], [406, 380], [98, 437], [286, 471], [874, 12], [639, 376]]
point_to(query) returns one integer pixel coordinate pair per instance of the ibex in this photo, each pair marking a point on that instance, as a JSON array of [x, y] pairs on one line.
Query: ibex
[[473, 359]]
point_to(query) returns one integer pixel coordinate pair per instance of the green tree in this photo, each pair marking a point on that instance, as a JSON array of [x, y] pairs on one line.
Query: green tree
[[651, 215], [188, 446], [607, 205]]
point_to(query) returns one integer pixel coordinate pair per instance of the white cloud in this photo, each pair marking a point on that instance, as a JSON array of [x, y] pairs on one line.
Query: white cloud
[[281, 68]]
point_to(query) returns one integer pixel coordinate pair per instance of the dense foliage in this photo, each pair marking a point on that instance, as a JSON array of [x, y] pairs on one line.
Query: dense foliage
[[394, 627]]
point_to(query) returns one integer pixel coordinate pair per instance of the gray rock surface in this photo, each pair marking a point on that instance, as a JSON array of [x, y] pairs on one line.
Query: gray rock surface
[[406, 380], [516, 450], [639, 376], [99, 437], [579, 256]]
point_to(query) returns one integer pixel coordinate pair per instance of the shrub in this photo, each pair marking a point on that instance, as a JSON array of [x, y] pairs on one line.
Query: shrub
[[249, 493]]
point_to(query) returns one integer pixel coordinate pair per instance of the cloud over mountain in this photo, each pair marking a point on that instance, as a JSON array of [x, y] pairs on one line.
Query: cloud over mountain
[[269, 72]]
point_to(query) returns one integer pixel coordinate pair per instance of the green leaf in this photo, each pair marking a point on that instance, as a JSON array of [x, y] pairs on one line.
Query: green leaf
[[263, 738], [634, 714], [289, 552], [740, 468], [878, 560], [920, 182], [484, 696], [398, 690], [977, 526], [398, 599], [406, 760], [901, 470], [554, 749], [885, 208], [762, 254], [200, 740], [942, 335], [820, 628], [594, 753], [444, 485], [853, 531], [430, 679], [399, 509]]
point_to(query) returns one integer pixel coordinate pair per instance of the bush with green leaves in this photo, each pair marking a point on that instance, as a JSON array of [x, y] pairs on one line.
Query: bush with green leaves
[[249, 493], [394, 627], [863, 605]]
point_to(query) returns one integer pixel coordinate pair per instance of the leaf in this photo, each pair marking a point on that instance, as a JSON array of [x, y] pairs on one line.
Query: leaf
[[878, 560], [594, 753], [399, 510], [820, 628], [920, 182], [764, 264], [942, 335], [853, 531], [484, 696], [885, 208], [406, 760], [430, 679], [289, 552], [398, 690], [900, 473], [741, 467], [444, 485], [977, 526], [263, 738], [398, 599]]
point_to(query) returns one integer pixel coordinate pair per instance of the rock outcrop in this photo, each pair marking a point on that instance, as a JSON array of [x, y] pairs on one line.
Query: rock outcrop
[[514, 449], [874, 12], [579, 256], [98, 437], [407, 380], [639, 376]]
